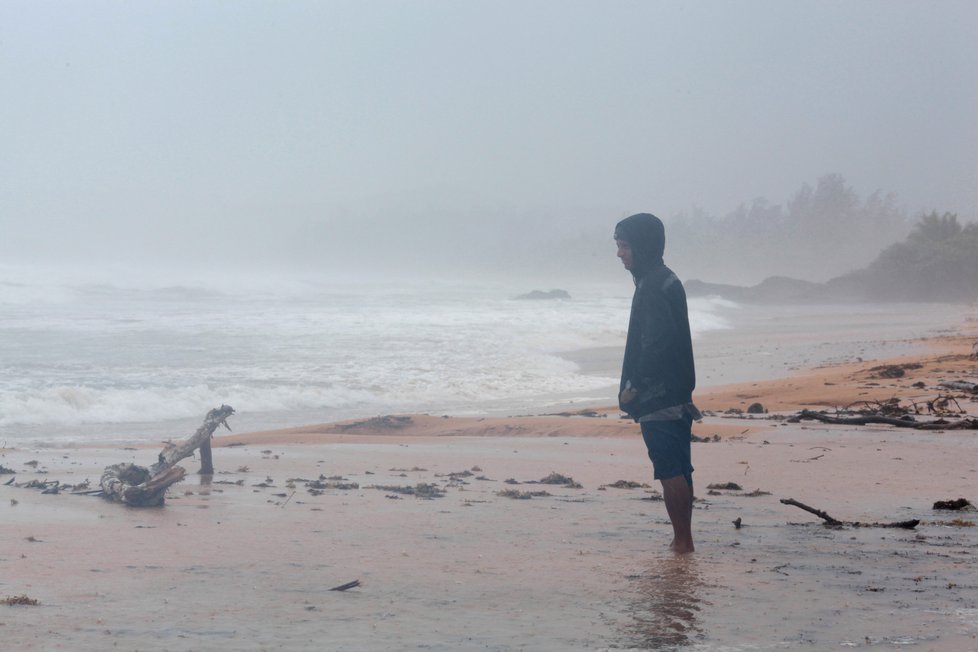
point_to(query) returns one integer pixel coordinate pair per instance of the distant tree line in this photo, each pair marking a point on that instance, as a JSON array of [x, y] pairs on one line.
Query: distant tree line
[[819, 233], [938, 261]]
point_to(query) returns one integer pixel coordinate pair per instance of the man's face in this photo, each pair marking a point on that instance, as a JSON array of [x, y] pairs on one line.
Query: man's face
[[625, 253]]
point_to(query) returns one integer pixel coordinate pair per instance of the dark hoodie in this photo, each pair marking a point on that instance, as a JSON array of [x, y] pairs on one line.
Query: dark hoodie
[[658, 352]]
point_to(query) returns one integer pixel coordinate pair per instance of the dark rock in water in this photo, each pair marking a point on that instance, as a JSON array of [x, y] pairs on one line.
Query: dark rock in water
[[959, 504], [756, 408], [536, 295]]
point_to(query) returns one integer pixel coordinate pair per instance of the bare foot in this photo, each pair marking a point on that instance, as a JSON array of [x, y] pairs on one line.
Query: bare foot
[[682, 548]]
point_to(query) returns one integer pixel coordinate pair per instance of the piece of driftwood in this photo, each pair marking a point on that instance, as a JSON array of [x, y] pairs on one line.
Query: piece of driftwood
[[954, 505], [207, 457], [141, 487], [937, 424], [960, 384], [832, 522], [811, 510]]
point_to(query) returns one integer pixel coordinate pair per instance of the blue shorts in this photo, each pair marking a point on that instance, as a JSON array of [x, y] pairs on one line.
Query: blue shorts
[[669, 447]]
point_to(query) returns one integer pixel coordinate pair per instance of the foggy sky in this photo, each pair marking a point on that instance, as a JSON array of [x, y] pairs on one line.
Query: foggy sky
[[352, 130]]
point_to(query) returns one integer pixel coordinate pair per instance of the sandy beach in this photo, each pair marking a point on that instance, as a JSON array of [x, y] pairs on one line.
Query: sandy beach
[[460, 541]]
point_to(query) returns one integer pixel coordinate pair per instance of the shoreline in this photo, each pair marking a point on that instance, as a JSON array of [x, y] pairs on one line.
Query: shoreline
[[829, 386], [459, 544]]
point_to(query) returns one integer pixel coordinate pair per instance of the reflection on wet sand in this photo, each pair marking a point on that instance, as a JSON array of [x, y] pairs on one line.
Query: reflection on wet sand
[[664, 604]]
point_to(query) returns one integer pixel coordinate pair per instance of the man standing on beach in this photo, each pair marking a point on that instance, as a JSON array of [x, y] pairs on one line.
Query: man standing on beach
[[657, 375]]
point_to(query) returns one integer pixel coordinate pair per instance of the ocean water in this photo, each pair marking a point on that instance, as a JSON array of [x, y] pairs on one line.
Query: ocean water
[[115, 354]]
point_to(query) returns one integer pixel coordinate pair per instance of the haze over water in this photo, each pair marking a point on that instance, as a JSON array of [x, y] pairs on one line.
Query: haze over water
[[319, 210], [88, 358], [449, 138]]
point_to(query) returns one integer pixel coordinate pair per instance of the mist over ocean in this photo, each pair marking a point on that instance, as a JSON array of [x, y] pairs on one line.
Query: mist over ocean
[[114, 355], [99, 354]]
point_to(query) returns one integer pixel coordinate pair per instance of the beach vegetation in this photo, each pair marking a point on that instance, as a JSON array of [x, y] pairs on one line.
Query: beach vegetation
[[938, 261], [821, 231], [726, 486]]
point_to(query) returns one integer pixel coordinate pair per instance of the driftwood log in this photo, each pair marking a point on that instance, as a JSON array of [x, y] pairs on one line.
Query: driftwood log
[[831, 522], [139, 486], [937, 424], [962, 385]]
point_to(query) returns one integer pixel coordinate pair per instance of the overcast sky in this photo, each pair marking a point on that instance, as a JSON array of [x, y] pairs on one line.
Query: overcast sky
[[133, 127]]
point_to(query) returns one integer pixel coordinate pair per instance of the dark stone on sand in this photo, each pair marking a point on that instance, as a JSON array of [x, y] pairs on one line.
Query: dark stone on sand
[[890, 371], [727, 486], [756, 408], [954, 505]]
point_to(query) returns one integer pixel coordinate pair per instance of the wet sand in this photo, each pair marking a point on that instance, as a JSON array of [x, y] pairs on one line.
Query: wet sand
[[245, 560]]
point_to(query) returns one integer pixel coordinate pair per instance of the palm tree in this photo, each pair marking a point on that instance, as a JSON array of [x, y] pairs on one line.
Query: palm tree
[[932, 228]]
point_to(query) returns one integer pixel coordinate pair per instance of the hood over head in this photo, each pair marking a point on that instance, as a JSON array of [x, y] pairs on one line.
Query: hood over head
[[646, 235]]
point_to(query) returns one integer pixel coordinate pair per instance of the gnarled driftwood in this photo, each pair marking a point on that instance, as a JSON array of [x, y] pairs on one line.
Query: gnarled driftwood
[[141, 487], [831, 522], [937, 424], [962, 385]]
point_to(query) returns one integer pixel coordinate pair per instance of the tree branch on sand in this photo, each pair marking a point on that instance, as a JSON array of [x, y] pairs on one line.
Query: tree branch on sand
[[899, 422], [139, 486], [961, 385], [831, 522]]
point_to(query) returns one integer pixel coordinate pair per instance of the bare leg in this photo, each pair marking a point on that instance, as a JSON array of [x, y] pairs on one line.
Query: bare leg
[[678, 496]]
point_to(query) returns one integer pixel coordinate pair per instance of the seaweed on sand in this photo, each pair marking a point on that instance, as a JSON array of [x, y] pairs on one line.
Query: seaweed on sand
[[420, 490], [18, 600], [558, 478], [522, 495], [625, 484]]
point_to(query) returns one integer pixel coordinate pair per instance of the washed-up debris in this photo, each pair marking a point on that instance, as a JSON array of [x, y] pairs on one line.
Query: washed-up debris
[[726, 486], [960, 385], [138, 486], [420, 490], [907, 421], [954, 505], [522, 495], [560, 479], [894, 370], [20, 600], [696, 439], [345, 587], [625, 484], [831, 522], [317, 487]]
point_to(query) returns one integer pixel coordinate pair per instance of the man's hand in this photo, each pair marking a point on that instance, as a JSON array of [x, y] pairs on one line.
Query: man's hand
[[627, 396]]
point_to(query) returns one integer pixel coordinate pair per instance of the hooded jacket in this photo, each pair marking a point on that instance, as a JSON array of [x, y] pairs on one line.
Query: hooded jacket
[[658, 361]]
